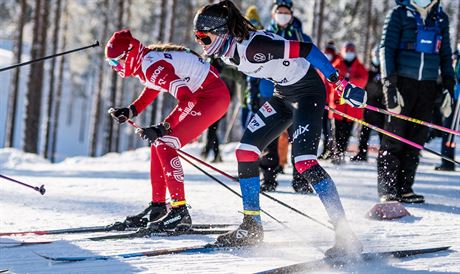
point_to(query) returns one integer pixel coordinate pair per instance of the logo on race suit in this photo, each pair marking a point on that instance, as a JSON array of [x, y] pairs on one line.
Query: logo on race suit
[[156, 72], [270, 56], [259, 57], [300, 130], [286, 63], [178, 173], [188, 111], [187, 79], [168, 56], [255, 123], [267, 110], [161, 82], [258, 69]]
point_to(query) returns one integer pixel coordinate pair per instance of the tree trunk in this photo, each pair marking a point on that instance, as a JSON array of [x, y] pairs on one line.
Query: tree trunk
[[320, 23], [48, 126], [34, 85], [368, 32], [97, 99], [156, 105], [458, 25], [109, 140], [57, 101], [13, 98]]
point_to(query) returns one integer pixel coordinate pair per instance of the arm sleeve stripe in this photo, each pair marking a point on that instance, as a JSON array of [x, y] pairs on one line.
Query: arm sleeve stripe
[[294, 49], [287, 52]]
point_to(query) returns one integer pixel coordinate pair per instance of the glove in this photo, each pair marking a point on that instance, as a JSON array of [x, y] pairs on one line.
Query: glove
[[121, 115], [392, 99], [446, 104], [351, 94], [151, 134]]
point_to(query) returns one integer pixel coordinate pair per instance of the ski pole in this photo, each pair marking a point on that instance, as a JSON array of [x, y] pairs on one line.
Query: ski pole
[[410, 119], [397, 137], [454, 124], [40, 189], [223, 184], [236, 180], [417, 121], [95, 44]]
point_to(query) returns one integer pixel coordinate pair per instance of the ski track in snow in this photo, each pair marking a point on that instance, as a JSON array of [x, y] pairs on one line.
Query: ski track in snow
[[98, 191]]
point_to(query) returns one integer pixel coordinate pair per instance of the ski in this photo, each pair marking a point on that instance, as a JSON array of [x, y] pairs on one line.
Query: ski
[[315, 265], [146, 233], [205, 248], [24, 243], [91, 229], [4, 270]]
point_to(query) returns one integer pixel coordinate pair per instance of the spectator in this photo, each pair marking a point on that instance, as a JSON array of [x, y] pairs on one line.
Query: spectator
[[353, 70], [331, 53], [374, 98], [452, 121], [415, 46]]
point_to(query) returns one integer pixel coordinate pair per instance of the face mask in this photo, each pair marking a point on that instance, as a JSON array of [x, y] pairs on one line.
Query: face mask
[[422, 3], [215, 46], [282, 19], [349, 56], [329, 56]]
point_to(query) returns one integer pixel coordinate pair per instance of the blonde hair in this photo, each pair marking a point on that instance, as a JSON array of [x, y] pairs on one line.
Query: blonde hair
[[170, 47]]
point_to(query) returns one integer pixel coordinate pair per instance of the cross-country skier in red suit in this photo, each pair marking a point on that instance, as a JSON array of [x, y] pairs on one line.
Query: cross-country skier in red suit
[[202, 98], [298, 101]]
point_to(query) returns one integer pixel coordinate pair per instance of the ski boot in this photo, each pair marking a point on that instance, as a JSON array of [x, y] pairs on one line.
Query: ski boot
[[412, 198], [347, 246], [269, 182], [177, 220], [300, 184], [157, 210], [360, 157], [250, 232]]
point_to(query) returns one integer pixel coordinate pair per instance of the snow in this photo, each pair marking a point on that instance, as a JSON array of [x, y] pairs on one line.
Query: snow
[[97, 191]]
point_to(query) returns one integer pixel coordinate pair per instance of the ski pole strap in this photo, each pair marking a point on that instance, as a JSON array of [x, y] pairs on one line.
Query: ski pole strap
[[251, 212], [178, 203]]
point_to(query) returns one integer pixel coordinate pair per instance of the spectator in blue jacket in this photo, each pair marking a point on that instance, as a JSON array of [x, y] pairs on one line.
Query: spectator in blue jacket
[[452, 121], [415, 46]]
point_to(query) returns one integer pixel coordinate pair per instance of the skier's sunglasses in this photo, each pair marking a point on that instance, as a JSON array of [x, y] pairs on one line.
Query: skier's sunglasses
[[116, 61], [204, 37]]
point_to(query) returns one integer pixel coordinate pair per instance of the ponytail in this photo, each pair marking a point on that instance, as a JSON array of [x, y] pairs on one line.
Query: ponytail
[[238, 26], [170, 47]]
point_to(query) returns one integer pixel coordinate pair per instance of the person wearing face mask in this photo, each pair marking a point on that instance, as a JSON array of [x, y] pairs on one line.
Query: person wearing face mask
[[374, 98], [414, 49], [353, 70], [453, 121], [328, 143], [202, 98]]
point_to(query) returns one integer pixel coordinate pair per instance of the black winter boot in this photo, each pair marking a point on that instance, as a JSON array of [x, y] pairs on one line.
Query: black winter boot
[[249, 232], [269, 182], [300, 183]]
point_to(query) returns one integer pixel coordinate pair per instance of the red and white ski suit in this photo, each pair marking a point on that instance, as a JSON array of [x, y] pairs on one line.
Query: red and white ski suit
[[203, 98]]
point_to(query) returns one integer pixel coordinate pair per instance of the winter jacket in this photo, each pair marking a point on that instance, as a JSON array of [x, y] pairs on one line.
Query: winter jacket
[[399, 37], [356, 73]]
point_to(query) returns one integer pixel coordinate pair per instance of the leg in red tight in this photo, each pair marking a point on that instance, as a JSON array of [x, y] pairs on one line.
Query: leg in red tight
[[157, 178]]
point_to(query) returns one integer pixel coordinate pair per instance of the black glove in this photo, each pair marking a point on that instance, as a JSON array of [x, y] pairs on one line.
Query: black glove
[[152, 133], [392, 99], [121, 115], [448, 83]]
